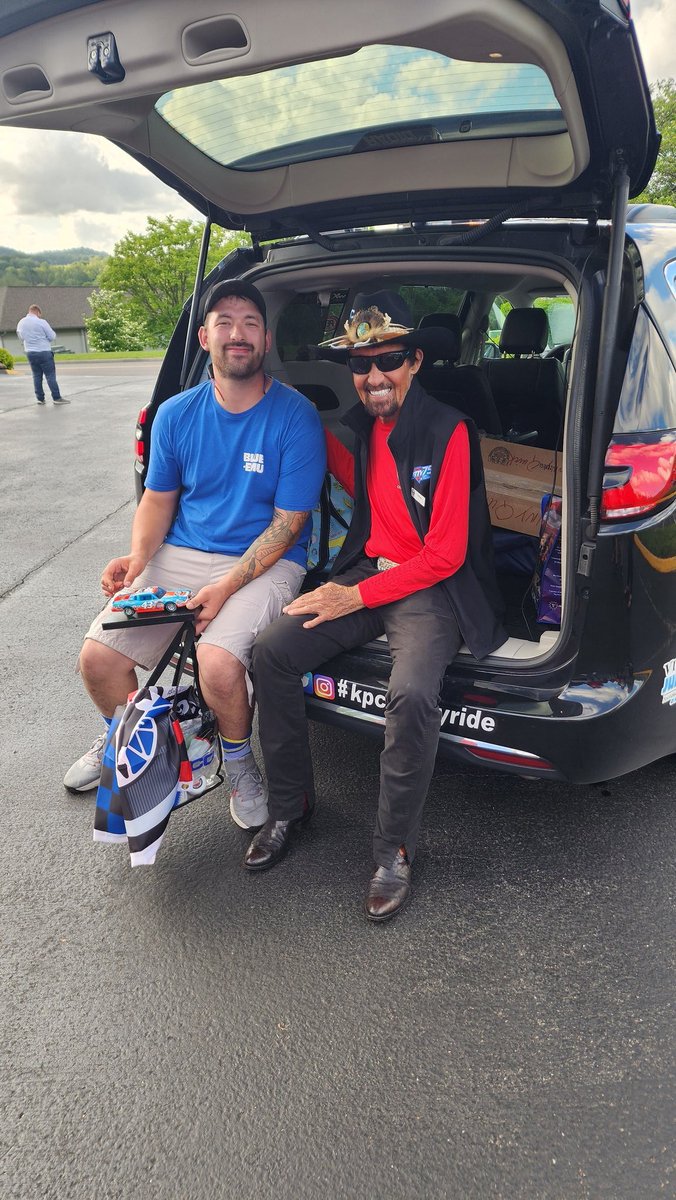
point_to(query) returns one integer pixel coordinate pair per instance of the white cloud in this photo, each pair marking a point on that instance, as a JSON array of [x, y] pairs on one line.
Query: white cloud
[[73, 176], [66, 189], [655, 22]]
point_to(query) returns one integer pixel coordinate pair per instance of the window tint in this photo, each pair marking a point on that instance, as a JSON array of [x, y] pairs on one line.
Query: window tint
[[561, 317], [560, 320], [375, 98], [648, 396], [310, 318], [496, 319], [423, 300]]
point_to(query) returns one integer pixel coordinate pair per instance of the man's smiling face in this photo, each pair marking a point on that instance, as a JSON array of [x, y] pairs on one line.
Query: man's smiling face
[[383, 392], [234, 334]]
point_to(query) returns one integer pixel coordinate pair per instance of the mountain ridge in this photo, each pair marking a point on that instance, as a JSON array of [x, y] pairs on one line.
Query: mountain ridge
[[54, 257]]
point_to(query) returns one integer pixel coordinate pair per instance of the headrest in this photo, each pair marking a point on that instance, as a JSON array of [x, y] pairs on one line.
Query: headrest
[[525, 331], [451, 323]]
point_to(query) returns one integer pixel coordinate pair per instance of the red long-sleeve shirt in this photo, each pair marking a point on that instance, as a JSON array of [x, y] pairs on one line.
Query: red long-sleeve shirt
[[393, 534]]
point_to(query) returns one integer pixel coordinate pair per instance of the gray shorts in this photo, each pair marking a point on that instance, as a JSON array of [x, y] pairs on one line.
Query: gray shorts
[[234, 628]]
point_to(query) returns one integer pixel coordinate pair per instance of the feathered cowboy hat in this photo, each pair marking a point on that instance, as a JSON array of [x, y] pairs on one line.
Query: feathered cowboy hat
[[379, 318]]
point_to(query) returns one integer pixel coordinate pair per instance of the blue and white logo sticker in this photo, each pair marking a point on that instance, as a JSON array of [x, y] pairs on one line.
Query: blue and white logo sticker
[[420, 474], [254, 462], [669, 685]]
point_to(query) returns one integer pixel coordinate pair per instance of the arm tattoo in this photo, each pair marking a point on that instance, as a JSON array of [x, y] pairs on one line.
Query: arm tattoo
[[283, 531]]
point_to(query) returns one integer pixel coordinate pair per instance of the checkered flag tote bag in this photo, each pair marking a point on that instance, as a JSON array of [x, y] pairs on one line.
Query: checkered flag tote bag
[[146, 772]]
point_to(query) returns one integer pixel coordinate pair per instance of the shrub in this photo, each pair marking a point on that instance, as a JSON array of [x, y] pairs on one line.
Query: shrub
[[6, 359], [112, 325]]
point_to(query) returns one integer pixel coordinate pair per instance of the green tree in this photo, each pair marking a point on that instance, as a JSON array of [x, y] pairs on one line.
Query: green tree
[[18, 269], [661, 187], [155, 270], [112, 326]]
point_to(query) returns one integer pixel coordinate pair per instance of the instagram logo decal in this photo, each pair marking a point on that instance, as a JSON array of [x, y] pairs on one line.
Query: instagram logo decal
[[324, 687]]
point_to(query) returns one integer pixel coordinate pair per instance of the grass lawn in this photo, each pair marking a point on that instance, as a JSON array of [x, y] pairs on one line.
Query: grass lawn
[[99, 356]]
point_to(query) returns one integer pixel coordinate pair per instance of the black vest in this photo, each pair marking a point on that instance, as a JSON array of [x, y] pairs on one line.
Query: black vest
[[418, 444]]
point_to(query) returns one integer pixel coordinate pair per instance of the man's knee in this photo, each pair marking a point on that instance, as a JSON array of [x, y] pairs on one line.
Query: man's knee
[[98, 662], [413, 694], [219, 669]]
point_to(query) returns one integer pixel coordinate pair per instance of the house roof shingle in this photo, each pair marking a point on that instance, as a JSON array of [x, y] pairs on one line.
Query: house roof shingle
[[63, 307]]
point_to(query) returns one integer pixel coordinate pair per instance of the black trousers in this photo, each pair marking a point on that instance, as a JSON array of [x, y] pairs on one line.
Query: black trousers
[[423, 638]]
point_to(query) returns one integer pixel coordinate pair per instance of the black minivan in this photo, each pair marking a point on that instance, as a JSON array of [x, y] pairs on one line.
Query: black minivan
[[477, 156]]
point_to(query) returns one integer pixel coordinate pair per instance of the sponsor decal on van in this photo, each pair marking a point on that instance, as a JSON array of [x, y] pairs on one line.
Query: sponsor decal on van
[[467, 718], [373, 700], [669, 685]]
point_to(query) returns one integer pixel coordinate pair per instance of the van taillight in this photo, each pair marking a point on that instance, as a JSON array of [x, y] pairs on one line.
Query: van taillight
[[638, 477], [140, 443]]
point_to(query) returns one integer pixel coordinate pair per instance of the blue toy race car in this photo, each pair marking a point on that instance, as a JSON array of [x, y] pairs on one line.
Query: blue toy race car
[[150, 600]]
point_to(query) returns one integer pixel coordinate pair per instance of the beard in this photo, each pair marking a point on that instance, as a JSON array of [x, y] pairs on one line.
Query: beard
[[384, 407], [239, 367]]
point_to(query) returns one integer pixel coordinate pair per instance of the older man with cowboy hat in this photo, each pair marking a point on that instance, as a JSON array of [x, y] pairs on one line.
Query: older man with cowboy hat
[[416, 565]]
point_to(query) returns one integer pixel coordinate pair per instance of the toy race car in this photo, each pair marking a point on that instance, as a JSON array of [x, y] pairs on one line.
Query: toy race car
[[150, 600]]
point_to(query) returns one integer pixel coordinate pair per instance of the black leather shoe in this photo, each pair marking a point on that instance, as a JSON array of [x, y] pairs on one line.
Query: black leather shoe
[[272, 841], [390, 889]]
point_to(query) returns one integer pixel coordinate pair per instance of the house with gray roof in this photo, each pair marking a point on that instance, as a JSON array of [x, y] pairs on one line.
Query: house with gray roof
[[64, 307]]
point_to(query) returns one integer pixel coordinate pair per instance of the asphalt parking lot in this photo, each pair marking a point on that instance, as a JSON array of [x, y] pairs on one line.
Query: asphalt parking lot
[[187, 1030]]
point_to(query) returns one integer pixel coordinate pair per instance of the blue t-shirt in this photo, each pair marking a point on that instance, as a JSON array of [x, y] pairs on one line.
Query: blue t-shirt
[[233, 469]]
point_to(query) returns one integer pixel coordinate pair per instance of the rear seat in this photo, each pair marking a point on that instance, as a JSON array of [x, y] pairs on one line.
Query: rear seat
[[465, 387], [528, 390]]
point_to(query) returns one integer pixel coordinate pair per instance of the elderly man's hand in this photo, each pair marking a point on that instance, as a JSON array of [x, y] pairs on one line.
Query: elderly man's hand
[[327, 602]]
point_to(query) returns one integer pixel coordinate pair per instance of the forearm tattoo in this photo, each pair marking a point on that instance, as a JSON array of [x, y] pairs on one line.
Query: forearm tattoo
[[283, 531]]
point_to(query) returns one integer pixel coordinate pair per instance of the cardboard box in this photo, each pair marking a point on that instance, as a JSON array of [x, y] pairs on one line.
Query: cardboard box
[[517, 477]]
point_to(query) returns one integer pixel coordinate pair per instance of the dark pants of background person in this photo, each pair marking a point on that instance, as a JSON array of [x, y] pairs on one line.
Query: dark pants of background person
[[42, 363], [423, 638]]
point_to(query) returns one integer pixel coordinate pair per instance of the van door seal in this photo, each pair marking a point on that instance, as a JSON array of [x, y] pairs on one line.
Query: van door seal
[[607, 342]]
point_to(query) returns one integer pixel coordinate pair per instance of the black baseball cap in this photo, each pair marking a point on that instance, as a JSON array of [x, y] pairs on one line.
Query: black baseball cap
[[234, 287]]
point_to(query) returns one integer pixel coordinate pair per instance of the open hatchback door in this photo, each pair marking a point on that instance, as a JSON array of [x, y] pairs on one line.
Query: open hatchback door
[[279, 118]]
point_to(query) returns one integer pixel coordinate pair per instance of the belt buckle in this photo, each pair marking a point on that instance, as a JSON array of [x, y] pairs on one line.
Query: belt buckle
[[385, 564]]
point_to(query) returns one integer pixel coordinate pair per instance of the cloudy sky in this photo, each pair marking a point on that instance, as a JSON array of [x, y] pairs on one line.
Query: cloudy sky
[[63, 190]]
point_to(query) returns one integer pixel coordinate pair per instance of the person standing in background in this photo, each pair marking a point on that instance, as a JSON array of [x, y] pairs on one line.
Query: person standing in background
[[37, 336]]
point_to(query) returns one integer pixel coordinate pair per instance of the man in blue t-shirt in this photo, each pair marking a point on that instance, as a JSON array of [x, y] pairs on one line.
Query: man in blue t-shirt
[[236, 467]]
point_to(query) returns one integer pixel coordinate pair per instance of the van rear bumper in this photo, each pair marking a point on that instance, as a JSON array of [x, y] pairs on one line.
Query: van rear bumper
[[589, 732]]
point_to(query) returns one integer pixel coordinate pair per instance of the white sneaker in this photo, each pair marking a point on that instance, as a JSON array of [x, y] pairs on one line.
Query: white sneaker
[[249, 799], [60, 400], [86, 772]]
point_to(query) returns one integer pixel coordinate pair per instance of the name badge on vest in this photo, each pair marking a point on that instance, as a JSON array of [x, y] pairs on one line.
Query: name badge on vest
[[419, 499]]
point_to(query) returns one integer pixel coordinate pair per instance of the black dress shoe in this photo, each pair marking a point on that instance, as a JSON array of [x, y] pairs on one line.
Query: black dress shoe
[[390, 889], [272, 841]]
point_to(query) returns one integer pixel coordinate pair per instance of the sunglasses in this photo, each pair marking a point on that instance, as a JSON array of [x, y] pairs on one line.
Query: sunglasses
[[391, 360]]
